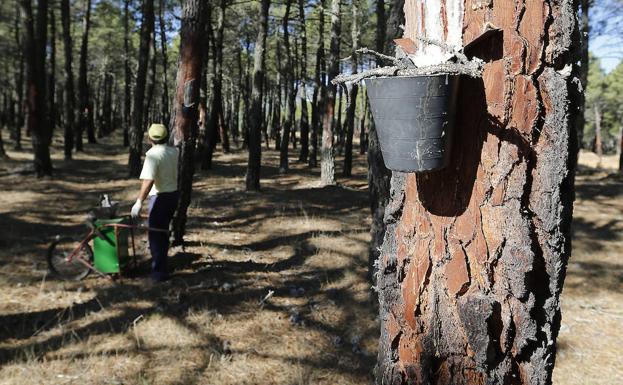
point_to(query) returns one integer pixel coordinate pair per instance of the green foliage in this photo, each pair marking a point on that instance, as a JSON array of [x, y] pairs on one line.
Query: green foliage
[[604, 91]]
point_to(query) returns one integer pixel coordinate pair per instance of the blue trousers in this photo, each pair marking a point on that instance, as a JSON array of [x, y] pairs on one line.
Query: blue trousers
[[161, 209]]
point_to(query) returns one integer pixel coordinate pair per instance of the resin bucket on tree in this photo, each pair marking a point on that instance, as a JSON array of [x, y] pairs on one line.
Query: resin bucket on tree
[[414, 118]]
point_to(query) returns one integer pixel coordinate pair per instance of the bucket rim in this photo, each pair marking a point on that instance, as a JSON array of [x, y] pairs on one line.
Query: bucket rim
[[384, 77]]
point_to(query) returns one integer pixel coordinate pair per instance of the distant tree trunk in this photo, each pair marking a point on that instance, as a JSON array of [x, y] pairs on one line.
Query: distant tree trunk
[[137, 129], [255, 121], [51, 95], [70, 103], [127, 93], [235, 133], [166, 116], [378, 175], [327, 161], [598, 141], [19, 81], [276, 116], [352, 93], [317, 99], [151, 85], [620, 150], [363, 137], [474, 256], [38, 123], [290, 93], [583, 47], [184, 123], [338, 129], [304, 122], [83, 86]]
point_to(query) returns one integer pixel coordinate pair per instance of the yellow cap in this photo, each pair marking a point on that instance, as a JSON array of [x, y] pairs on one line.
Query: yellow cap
[[157, 132]]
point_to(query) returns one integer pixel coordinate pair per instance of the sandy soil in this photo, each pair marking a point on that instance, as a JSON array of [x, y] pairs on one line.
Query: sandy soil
[[209, 325]]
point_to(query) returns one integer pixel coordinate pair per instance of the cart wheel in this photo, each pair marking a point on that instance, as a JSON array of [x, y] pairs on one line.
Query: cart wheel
[[75, 269]]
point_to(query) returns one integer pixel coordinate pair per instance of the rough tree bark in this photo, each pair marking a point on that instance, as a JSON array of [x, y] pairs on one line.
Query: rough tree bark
[[127, 93], [327, 160], [304, 122], [185, 117], [166, 114], [84, 108], [378, 174], [70, 101], [352, 93], [137, 128], [19, 81], [290, 87], [319, 78], [51, 81], [37, 121], [255, 116], [474, 257]]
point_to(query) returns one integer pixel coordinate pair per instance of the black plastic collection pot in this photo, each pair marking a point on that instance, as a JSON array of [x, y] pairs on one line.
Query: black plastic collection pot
[[414, 119]]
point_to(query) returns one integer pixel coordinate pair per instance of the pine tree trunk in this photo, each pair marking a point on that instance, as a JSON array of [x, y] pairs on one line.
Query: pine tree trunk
[[164, 108], [19, 82], [37, 121], [352, 93], [290, 94], [255, 118], [585, 6], [70, 103], [317, 99], [137, 129], [51, 95], [304, 122], [127, 93], [474, 257], [598, 141], [83, 86], [378, 175], [327, 161], [184, 122], [363, 137]]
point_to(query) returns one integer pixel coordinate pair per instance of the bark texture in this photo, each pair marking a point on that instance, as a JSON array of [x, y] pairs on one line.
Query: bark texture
[[69, 81], [184, 123], [255, 115], [474, 257], [137, 129]]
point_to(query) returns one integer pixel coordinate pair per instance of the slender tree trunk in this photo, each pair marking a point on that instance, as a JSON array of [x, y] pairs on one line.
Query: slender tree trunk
[[327, 161], [352, 93], [19, 81], [255, 144], [290, 94], [148, 115], [304, 122], [127, 93], [317, 98], [51, 95], [37, 122], [363, 137], [166, 116], [620, 150], [583, 47], [69, 80], [598, 141], [474, 257], [83, 86], [184, 122], [137, 129], [378, 175]]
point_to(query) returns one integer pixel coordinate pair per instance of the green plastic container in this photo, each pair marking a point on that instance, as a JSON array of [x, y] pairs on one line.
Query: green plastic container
[[111, 254]]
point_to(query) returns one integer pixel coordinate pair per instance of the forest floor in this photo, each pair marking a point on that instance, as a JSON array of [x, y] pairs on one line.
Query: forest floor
[[208, 324]]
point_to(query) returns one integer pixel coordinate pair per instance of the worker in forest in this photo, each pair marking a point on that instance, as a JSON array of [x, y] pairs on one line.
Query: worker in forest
[[159, 185]]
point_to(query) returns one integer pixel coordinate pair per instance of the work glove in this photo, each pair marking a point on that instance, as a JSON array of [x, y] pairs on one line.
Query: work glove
[[136, 209]]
